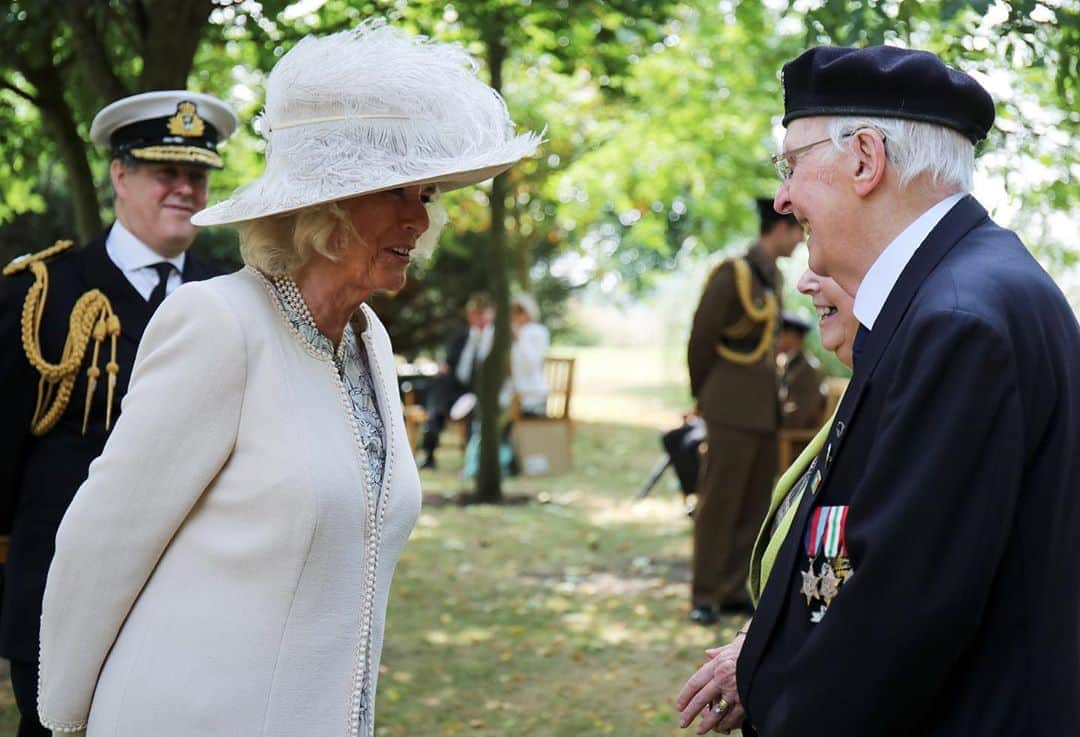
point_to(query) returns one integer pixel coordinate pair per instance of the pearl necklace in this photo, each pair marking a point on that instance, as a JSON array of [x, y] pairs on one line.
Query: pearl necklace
[[291, 294]]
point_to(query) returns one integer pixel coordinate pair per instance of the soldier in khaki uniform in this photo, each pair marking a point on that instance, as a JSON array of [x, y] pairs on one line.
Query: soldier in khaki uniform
[[801, 400], [733, 380]]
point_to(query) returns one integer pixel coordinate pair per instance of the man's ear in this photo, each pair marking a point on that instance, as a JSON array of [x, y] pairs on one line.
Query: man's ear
[[868, 148], [118, 175]]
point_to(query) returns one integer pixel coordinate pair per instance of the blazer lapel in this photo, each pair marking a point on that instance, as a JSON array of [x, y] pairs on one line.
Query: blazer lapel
[[957, 222], [101, 273], [965, 215], [774, 595]]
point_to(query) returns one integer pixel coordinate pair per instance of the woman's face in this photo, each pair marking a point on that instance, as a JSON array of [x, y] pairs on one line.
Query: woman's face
[[387, 225], [518, 316], [836, 314]]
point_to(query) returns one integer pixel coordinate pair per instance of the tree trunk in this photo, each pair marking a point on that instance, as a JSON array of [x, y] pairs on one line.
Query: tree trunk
[[521, 261], [493, 370], [60, 124], [94, 61], [173, 33]]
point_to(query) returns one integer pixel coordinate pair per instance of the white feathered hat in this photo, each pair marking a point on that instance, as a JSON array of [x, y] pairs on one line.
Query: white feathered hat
[[369, 110]]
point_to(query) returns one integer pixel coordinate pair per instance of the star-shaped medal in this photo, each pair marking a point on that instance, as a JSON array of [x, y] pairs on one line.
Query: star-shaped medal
[[810, 583], [830, 584]]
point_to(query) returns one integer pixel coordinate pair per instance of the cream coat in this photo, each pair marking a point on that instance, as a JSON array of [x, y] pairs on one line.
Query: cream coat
[[222, 572]]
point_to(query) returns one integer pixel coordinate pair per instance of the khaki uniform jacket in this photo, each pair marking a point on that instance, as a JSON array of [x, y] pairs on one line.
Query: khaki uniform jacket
[[801, 401], [729, 394]]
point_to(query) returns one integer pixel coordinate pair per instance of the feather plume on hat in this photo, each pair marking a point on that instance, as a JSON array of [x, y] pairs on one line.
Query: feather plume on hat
[[368, 110]]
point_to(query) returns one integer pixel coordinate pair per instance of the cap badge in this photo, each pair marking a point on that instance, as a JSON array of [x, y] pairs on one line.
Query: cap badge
[[186, 122]]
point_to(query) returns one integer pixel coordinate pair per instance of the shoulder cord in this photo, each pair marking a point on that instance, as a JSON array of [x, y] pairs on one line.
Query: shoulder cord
[[92, 318], [766, 314]]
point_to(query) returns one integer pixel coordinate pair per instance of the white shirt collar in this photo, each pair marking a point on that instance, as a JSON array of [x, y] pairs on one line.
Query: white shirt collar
[[130, 254], [885, 271]]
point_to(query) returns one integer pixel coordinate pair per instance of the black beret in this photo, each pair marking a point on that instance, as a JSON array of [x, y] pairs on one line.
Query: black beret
[[885, 82], [794, 321]]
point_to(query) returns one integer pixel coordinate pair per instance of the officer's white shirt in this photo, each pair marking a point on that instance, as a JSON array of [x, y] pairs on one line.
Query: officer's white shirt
[[885, 271], [136, 259]]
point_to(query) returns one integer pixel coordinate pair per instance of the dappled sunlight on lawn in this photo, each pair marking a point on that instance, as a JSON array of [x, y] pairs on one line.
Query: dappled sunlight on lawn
[[668, 512], [631, 386], [562, 617]]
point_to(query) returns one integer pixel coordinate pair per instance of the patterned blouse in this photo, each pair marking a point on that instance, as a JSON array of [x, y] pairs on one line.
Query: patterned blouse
[[352, 367]]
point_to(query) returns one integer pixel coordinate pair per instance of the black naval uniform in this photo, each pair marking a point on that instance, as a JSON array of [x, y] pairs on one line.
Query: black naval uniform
[[39, 475], [930, 584]]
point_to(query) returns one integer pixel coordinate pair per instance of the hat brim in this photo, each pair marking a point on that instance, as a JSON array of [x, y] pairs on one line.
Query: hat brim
[[238, 209]]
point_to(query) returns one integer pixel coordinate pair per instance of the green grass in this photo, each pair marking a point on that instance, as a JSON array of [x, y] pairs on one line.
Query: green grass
[[563, 616]]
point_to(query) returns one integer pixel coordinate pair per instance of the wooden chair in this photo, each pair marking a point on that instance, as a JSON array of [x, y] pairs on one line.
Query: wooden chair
[[543, 444], [559, 375], [792, 440], [416, 416]]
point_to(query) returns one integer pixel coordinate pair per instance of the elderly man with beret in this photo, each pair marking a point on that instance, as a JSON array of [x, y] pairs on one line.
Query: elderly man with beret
[[71, 320], [930, 585]]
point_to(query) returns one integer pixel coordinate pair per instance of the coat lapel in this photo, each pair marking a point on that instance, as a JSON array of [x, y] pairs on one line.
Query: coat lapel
[[965, 215], [947, 233]]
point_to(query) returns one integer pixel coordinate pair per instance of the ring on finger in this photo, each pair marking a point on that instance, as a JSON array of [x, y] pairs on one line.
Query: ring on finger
[[721, 706]]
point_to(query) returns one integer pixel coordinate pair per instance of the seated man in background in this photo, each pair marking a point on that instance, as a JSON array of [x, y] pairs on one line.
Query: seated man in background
[[464, 351], [798, 377]]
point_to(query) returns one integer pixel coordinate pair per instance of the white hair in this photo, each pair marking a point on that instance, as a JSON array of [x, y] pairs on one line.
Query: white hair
[[915, 147], [526, 304]]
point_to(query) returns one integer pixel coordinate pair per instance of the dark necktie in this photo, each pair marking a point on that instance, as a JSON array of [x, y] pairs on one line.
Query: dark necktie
[[163, 269], [857, 346]]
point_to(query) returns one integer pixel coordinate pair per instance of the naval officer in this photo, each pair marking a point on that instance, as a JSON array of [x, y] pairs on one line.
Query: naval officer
[[70, 323]]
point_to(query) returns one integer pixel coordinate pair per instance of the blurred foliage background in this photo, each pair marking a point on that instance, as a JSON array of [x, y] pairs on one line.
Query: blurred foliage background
[[659, 119]]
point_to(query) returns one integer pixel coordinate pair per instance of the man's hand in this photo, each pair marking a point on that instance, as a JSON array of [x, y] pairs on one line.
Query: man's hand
[[712, 692]]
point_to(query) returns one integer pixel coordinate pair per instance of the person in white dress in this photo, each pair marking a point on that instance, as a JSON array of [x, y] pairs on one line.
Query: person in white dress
[[527, 353]]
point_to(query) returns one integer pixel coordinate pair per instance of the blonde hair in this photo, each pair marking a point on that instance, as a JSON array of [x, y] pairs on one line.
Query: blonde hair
[[278, 245]]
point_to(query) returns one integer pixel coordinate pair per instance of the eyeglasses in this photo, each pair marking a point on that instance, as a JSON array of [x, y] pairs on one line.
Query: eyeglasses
[[785, 162]]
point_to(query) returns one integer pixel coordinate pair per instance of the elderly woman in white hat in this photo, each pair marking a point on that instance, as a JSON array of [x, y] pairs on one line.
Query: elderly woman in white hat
[[242, 590]]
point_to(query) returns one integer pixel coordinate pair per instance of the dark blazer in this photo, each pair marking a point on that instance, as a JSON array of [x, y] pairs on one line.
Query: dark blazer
[[39, 475], [455, 346], [956, 451], [446, 388], [729, 394]]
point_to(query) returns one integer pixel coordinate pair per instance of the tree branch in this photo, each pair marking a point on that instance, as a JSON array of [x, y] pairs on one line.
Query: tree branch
[[140, 17], [90, 49], [11, 86]]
